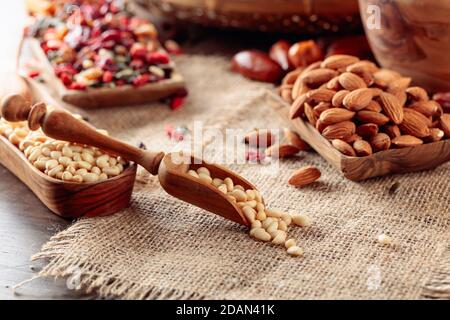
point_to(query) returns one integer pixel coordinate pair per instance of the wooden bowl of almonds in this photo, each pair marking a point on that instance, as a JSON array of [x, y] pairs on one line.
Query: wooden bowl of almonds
[[71, 180], [365, 120]]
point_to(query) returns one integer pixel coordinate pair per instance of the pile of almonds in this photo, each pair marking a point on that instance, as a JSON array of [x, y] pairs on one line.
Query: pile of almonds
[[362, 109], [268, 225]]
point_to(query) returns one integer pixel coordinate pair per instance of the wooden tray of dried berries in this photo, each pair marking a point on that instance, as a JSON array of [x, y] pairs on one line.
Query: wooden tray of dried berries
[[364, 120], [119, 66]]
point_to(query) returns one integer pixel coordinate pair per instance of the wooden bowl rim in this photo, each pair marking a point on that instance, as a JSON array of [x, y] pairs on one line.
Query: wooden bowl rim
[[130, 168]]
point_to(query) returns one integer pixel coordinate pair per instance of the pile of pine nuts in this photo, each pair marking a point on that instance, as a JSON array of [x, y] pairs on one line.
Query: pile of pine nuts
[[59, 159], [266, 224]]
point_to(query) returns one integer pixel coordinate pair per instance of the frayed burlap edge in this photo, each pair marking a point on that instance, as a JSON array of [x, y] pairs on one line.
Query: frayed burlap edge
[[88, 279]]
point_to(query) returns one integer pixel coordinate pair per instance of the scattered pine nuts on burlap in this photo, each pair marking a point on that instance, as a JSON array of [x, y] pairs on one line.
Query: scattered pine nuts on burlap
[[162, 248]]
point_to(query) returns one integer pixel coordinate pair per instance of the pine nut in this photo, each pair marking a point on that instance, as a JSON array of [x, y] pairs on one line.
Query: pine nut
[[250, 194], [34, 155], [102, 176], [260, 234], [90, 177], [275, 213], [87, 157], [84, 164], [261, 215], [301, 220], [65, 161], [193, 173], [55, 155], [81, 172], [252, 203], [52, 172], [232, 199], [40, 165], [51, 164], [279, 238], [67, 176], [71, 169], [204, 177], [266, 223], [217, 182], [287, 219], [290, 243], [229, 183], [77, 178], [204, 170], [96, 170], [249, 213], [239, 187], [223, 188], [14, 139], [256, 224], [272, 227], [282, 225], [77, 157], [295, 251], [384, 240], [239, 195], [67, 152], [77, 149], [260, 206], [112, 162], [112, 171]]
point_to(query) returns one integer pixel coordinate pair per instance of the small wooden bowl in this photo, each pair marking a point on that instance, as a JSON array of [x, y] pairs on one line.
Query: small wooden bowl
[[94, 98], [423, 157], [68, 199]]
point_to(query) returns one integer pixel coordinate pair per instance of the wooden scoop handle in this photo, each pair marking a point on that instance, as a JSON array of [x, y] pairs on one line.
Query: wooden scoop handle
[[61, 125]]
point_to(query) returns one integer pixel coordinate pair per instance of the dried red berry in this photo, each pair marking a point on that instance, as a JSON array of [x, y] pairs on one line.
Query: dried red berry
[[176, 102], [141, 80], [77, 86], [138, 51], [34, 73], [66, 79], [107, 76], [158, 58], [65, 68]]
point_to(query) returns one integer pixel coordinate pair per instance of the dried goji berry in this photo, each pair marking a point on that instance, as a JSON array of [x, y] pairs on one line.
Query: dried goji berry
[[141, 80], [34, 73], [77, 86], [176, 102], [66, 79], [158, 58], [107, 76]]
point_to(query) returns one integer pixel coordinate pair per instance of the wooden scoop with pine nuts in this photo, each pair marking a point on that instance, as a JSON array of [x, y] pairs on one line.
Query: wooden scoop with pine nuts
[[172, 169]]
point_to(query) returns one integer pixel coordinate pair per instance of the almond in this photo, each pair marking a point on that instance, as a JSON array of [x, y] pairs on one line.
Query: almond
[[406, 141], [339, 61], [415, 124], [294, 139], [362, 148], [353, 138], [436, 134], [321, 107], [444, 122], [401, 83], [304, 176], [282, 151], [380, 142], [417, 94], [292, 76], [427, 108], [358, 99], [319, 95], [317, 77], [343, 147], [363, 65], [309, 113], [320, 126], [334, 84], [391, 107], [372, 117], [259, 138], [299, 88], [335, 115], [298, 107], [384, 77], [373, 106], [351, 81], [338, 98], [341, 130], [392, 130], [286, 93], [367, 130]]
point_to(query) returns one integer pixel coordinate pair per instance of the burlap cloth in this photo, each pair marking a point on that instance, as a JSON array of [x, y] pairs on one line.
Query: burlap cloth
[[163, 248]]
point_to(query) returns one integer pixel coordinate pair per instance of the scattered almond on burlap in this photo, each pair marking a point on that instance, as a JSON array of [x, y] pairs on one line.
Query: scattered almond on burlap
[[304, 176]]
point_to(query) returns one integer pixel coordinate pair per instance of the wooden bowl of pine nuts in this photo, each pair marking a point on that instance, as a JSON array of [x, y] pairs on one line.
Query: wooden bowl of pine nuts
[[71, 186]]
